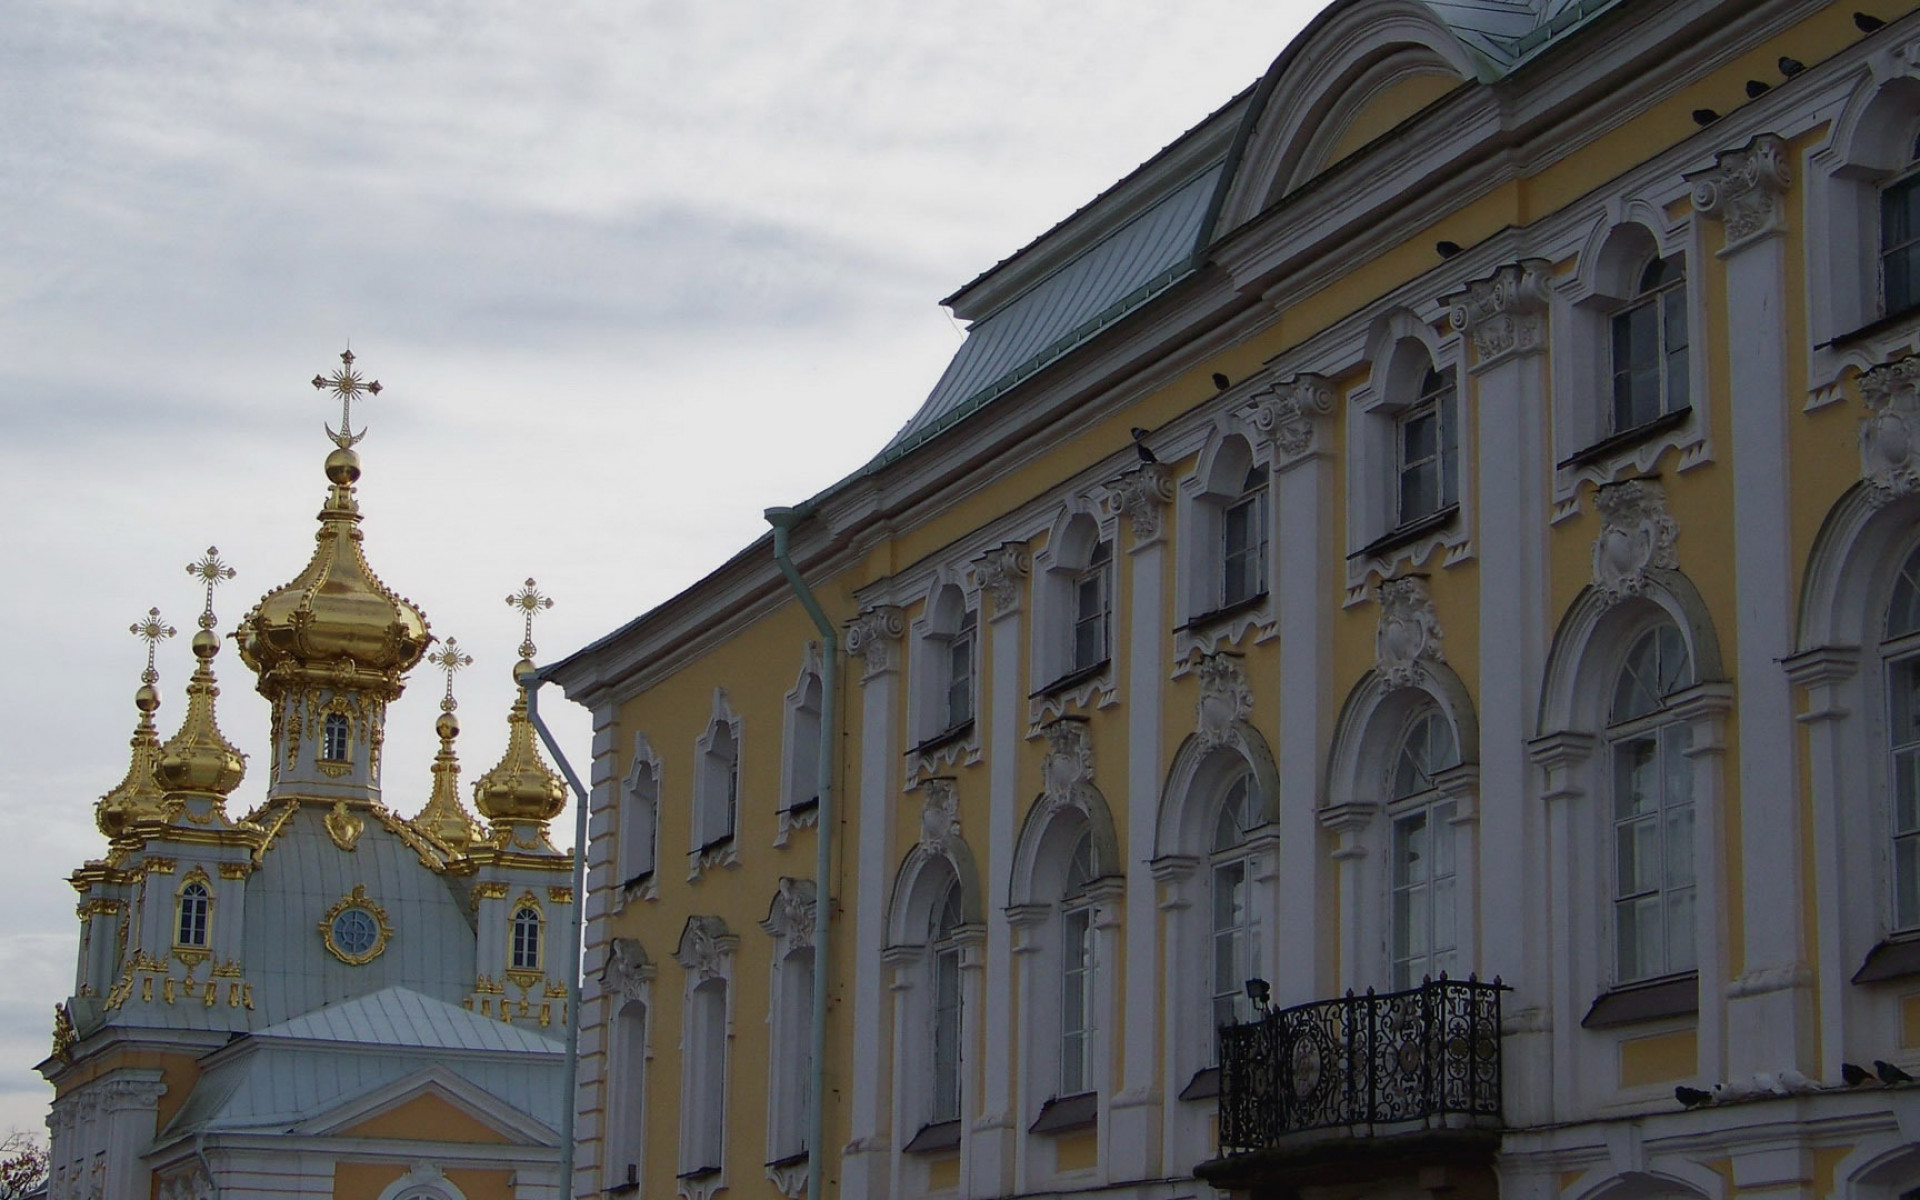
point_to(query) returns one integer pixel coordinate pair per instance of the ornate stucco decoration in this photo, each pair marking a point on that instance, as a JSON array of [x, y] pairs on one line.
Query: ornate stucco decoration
[[1225, 698], [1505, 314], [343, 827], [939, 814], [1068, 765], [1142, 496], [1289, 416], [1000, 571], [874, 636], [1636, 536], [1746, 189], [1890, 432], [356, 930], [1409, 635], [629, 971], [790, 916], [705, 946]]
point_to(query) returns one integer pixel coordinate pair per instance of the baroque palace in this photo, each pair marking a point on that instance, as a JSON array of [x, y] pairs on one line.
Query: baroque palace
[[1388, 664], [321, 998]]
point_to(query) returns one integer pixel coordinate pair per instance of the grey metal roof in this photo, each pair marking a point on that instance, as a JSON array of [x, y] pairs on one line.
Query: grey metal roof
[[1507, 32], [396, 1016], [1140, 260]]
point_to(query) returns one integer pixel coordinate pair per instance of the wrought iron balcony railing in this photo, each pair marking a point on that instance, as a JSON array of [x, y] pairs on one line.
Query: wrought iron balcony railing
[[1422, 1055]]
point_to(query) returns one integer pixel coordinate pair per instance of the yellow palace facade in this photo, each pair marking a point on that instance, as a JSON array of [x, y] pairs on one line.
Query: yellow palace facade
[[1388, 664]]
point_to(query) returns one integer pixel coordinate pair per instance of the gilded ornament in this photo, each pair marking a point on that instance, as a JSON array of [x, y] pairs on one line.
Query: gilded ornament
[[521, 788], [138, 795], [444, 819], [355, 939], [346, 383], [343, 826], [199, 760]]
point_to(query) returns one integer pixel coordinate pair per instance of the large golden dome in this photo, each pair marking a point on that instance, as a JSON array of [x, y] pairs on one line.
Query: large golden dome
[[335, 622]]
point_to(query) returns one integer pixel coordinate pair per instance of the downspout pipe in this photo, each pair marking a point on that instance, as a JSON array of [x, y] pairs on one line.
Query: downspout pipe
[[531, 680], [783, 520]]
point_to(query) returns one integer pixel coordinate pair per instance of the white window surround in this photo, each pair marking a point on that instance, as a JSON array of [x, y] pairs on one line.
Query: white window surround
[[1871, 143], [1583, 668], [1218, 480], [423, 1182], [800, 760], [1198, 779], [1360, 810], [950, 610], [1058, 567], [706, 953], [714, 827], [1401, 349], [638, 826], [1606, 279], [789, 922], [627, 984]]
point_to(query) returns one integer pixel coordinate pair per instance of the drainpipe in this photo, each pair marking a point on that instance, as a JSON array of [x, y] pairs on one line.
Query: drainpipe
[[532, 681], [783, 520]]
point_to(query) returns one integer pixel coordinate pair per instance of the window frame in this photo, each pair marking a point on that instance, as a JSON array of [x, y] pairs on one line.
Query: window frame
[[196, 892], [1906, 182], [1438, 810], [1663, 298], [331, 723], [1437, 397], [535, 931]]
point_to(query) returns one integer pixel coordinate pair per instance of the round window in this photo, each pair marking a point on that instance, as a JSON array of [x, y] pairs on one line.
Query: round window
[[355, 931]]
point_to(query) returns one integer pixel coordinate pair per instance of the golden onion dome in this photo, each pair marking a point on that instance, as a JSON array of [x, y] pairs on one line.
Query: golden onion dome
[[199, 758], [521, 787], [139, 794], [334, 620]]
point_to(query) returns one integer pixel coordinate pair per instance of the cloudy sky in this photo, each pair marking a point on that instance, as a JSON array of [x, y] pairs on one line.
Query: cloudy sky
[[629, 272]]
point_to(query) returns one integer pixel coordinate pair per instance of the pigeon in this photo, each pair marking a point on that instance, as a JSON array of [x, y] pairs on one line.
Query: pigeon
[[1793, 1081], [1140, 446], [1791, 66], [1446, 249], [1704, 117], [1692, 1097], [1221, 382], [1890, 1074], [1854, 1074], [1757, 88], [1866, 22]]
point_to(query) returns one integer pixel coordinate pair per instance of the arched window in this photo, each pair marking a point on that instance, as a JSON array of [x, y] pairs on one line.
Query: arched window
[[639, 824], [1900, 238], [1425, 450], [195, 906], [943, 964], [719, 788], [333, 742], [705, 1115], [1076, 971], [627, 1094], [1649, 347], [1901, 652], [944, 668], [1073, 599], [803, 748], [1421, 917], [525, 946], [1236, 919], [1652, 825]]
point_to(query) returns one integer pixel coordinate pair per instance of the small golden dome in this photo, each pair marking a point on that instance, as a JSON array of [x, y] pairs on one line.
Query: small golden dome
[[199, 758], [521, 787], [335, 622], [139, 794]]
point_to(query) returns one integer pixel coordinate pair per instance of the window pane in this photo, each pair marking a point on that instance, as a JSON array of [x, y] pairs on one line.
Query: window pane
[[1638, 935], [1906, 791], [1903, 696], [1419, 492], [1410, 850], [1635, 778], [1906, 882], [1680, 953], [1449, 450], [1903, 614]]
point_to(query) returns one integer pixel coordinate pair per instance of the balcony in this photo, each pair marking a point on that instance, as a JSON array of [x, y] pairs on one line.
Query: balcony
[[1361, 1083]]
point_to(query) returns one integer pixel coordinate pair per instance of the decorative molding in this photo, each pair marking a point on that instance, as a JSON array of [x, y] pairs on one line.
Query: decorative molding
[[790, 916], [1291, 414], [1408, 635], [1746, 190], [629, 972], [383, 929], [1068, 765], [1636, 536], [1890, 432], [874, 636], [1225, 698], [939, 814], [1142, 495], [343, 826], [706, 947], [999, 573], [789, 1177], [1505, 314]]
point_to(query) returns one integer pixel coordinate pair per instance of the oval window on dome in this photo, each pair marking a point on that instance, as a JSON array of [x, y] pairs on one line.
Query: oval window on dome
[[355, 930]]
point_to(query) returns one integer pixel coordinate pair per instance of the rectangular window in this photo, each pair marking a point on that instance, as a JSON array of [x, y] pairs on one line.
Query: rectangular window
[[1903, 694], [1235, 955], [1424, 447], [1091, 606], [960, 676], [1243, 556], [1900, 245], [1650, 350], [1076, 1000], [1653, 855], [944, 1102], [1424, 941]]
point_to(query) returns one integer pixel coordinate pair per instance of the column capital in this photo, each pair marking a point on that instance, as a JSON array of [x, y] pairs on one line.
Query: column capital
[[1000, 571], [1745, 189], [875, 636], [1291, 414], [1506, 313], [1142, 495]]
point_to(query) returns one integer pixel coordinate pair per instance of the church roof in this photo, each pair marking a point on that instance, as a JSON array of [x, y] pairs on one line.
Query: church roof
[[397, 1016]]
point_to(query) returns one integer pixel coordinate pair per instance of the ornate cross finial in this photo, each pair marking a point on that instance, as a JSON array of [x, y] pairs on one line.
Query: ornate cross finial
[[529, 601], [152, 630], [211, 572], [345, 382], [450, 658]]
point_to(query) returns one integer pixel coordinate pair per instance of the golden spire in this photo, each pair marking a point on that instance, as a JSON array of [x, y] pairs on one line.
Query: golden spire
[[444, 818], [139, 794], [335, 625], [521, 788], [199, 759]]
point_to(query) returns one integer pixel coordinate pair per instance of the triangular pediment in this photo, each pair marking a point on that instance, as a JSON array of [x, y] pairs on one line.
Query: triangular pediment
[[433, 1105]]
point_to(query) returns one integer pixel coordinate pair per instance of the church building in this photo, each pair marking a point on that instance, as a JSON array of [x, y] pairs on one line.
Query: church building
[[322, 997]]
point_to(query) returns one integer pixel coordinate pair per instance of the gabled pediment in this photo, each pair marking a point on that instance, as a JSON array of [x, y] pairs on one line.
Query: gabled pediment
[[432, 1105]]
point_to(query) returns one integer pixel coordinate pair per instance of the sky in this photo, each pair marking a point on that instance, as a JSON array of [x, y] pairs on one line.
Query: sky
[[629, 273]]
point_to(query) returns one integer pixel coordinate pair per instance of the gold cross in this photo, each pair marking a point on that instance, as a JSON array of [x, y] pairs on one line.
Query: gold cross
[[345, 382], [152, 630], [450, 658], [211, 572], [529, 601]]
